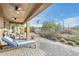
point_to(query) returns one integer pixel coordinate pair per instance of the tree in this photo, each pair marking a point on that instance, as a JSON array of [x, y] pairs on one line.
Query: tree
[[50, 29], [32, 29], [58, 27], [48, 25]]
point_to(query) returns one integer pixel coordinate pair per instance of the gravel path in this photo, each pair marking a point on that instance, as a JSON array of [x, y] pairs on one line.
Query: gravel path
[[45, 48]]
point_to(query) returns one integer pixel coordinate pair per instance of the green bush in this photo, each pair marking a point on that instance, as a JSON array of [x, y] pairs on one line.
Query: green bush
[[50, 25], [50, 29], [32, 29]]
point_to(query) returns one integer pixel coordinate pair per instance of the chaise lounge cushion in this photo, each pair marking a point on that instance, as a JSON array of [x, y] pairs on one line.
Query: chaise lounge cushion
[[9, 41], [17, 43], [24, 42]]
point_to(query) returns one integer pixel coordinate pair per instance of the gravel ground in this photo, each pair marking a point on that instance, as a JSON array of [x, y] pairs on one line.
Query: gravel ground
[[45, 48]]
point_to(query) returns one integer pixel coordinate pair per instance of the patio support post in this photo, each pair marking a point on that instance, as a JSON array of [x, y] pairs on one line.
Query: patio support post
[[27, 30]]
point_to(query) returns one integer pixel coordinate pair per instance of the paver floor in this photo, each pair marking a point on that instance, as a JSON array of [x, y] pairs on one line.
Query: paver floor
[[45, 47]]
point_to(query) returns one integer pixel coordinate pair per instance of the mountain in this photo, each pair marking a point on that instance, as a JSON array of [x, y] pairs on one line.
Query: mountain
[[75, 27]]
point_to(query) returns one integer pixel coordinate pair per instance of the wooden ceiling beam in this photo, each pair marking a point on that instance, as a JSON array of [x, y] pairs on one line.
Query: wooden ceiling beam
[[34, 9], [38, 11]]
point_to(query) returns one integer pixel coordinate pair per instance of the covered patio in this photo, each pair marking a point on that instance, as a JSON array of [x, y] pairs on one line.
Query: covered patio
[[15, 18]]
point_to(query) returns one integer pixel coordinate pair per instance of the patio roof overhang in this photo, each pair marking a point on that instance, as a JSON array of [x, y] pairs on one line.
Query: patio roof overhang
[[23, 12]]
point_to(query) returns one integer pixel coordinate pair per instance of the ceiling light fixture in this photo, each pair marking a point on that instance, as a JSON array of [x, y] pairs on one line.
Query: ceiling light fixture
[[17, 12], [14, 18], [16, 8]]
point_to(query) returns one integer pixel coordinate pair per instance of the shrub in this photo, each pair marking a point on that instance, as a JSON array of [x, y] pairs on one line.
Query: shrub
[[32, 29], [72, 43]]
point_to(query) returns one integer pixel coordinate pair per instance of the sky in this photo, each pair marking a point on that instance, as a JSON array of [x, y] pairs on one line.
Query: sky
[[58, 12]]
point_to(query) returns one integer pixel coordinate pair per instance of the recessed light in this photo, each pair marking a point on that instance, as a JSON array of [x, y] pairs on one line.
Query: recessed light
[[14, 18]]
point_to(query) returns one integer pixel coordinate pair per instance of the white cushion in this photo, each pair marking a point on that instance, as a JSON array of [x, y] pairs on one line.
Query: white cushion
[[9, 39]]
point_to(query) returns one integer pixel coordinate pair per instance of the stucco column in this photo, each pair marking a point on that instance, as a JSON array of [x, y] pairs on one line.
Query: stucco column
[[28, 30]]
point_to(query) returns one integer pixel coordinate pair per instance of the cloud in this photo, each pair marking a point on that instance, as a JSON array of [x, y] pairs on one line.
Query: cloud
[[38, 25], [71, 22]]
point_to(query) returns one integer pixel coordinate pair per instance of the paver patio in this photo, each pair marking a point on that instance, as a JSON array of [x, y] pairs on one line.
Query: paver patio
[[45, 48]]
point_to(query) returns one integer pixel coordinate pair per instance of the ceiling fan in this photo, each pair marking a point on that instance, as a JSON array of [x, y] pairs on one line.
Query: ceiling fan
[[17, 7]]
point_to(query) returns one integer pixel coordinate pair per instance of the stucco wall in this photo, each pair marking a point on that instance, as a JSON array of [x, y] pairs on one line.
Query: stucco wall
[[7, 24], [1, 27]]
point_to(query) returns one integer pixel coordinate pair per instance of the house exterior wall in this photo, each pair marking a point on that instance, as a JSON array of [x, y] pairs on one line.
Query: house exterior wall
[[1, 27], [7, 26]]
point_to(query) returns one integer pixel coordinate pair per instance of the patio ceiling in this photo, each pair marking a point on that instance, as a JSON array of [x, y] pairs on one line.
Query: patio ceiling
[[21, 12]]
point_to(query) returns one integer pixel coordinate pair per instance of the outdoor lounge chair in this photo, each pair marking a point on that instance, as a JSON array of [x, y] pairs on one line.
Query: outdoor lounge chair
[[15, 43]]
